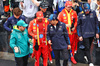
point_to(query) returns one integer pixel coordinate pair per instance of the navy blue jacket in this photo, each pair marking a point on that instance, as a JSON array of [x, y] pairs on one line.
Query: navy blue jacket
[[58, 36], [87, 24], [11, 22]]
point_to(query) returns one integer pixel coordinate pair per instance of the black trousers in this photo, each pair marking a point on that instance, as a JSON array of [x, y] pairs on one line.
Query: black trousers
[[87, 43], [99, 30], [57, 56], [21, 61]]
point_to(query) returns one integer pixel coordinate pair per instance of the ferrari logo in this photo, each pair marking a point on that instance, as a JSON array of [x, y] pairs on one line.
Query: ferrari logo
[[40, 14], [64, 17], [34, 27]]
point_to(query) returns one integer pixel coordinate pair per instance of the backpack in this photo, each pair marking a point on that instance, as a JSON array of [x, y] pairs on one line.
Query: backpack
[[79, 56]]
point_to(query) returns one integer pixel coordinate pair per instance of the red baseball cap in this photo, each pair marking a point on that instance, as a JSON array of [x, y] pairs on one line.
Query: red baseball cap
[[39, 14], [68, 3]]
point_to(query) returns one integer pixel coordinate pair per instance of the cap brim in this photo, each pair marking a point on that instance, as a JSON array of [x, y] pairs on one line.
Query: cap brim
[[25, 25], [49, 19], [69, 6], [39, 17], [44, 7]]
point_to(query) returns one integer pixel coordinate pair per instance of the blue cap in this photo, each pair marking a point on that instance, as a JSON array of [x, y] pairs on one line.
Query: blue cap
[[86, 7], [22, 23], [52, 17]]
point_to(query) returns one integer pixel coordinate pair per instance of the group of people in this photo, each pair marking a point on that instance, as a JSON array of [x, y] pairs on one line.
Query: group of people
[[49, 31]]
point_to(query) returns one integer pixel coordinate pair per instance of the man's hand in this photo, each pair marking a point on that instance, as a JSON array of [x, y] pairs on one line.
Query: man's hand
[[35, 37], [69, 46], [16, 49], [4, 0], [30, 40], [81, 38], [11, 9], [75, 4], [50, 42], [36, 3], [97, 35], [12, 30], [67, 25], [21, 3], [73, 28]]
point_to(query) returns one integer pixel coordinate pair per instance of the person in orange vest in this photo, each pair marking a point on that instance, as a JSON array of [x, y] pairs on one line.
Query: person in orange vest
[[69, 17], [37, 29]]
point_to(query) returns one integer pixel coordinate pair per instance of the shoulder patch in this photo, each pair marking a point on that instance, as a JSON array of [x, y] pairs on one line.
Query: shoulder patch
[[35, 20], [61, 23], [81, 12], [64, 14], [46, 20], [34, 24]]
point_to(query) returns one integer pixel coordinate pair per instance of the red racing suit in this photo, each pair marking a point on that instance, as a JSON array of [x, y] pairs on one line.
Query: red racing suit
[[39, 29], [68, 18]]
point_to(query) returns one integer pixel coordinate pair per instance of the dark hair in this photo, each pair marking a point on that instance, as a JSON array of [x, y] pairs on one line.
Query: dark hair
[[98, 0], [17, 26], [17, 11]]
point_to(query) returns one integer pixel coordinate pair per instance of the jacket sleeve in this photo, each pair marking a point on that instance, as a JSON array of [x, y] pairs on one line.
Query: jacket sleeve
[[12, 2], [30, 29], [24, 18], [97, 24], [66, 35], [79, 29], [48, 33], [60, 17], [55, 3], [6, 25], [93, 5], [24, 6], [12, 41], [27, 35]]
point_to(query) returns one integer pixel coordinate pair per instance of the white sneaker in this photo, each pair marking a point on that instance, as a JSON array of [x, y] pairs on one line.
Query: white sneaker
[[86, 58], [91, 64], [51, 62], [75, 52]]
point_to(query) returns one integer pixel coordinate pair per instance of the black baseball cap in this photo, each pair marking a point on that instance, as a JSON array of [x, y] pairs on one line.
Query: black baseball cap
[[44, 4]]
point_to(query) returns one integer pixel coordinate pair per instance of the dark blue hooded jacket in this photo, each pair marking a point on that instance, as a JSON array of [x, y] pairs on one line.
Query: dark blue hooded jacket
[[87, 24], [58, 36], [8, 25]]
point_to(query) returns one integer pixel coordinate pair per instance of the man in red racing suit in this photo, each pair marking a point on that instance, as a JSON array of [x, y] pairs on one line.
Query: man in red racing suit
[[37, 29]]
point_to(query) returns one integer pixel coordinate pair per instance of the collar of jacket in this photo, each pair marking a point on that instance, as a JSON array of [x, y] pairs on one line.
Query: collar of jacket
[[16, 29], [15, 18]]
